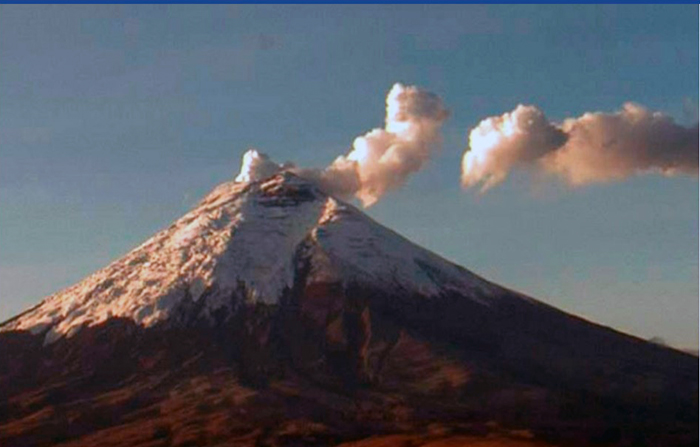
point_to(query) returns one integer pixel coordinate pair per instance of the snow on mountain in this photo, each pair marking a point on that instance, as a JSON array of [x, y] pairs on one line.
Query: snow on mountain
[[367, 252], [247, 234]]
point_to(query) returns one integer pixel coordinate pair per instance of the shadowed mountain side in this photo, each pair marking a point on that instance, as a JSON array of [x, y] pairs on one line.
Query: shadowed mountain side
[[329, 365], [273, 314]]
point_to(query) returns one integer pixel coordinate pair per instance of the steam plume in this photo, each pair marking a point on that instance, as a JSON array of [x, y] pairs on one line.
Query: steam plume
[[379, 161], [596, 147], [256, 166], [498, 144]]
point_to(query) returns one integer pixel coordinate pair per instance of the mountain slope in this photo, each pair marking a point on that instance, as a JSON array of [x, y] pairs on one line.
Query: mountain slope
[[246, 235], [273, 314]]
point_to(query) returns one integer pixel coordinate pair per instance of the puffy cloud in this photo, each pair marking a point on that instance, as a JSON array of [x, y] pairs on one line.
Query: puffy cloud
[[596, 147], [380, 160], [612, 146], [499, 144]]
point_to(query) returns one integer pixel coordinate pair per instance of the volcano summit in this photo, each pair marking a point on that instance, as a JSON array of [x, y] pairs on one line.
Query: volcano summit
[[276, 314]]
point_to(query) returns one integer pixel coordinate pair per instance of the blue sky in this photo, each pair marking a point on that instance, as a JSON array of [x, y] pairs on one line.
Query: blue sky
[[115, 120]]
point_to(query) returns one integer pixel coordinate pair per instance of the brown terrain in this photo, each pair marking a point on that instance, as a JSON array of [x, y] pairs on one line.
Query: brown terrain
[[330, 366], [349, 364]]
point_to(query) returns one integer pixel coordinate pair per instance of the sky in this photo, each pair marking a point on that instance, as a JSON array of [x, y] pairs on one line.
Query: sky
[[115, 120]]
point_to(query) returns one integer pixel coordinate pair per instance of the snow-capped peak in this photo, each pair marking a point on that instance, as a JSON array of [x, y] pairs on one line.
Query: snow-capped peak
[[244, 237]]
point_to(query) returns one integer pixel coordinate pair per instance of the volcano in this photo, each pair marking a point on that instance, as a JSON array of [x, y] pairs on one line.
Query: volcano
[[275, 314]]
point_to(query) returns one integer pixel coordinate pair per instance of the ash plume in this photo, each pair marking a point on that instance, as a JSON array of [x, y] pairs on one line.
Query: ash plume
[[593, 148], [380, 160]]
